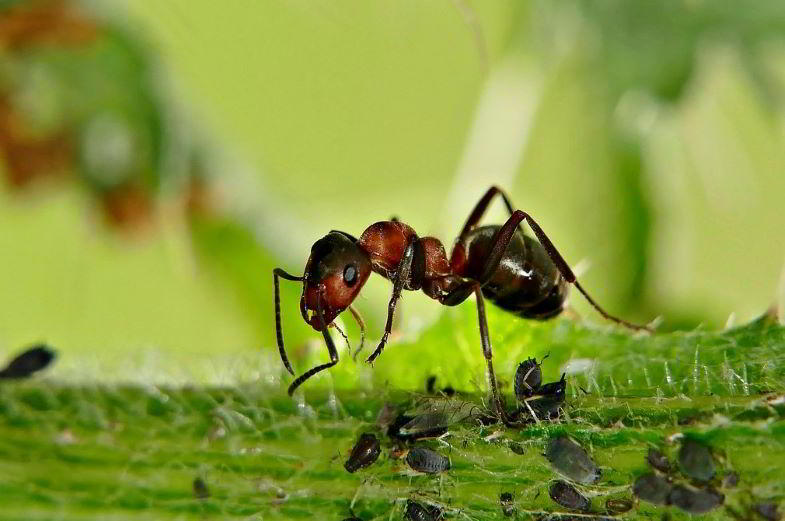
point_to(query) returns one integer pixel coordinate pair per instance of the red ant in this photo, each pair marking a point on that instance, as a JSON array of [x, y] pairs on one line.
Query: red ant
[[515, 271]]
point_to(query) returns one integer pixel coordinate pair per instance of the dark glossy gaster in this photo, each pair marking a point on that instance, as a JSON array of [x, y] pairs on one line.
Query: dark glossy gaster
[[524, 275]]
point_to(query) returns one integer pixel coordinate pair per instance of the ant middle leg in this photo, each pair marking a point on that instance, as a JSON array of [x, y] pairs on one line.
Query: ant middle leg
[[488, 353]]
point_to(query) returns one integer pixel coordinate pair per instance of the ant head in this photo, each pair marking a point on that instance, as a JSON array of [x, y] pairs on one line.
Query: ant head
[[336, 271]]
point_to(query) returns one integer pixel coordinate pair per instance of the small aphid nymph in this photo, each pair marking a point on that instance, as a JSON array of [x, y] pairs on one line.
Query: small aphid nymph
[[417, 512], [695, 500], [658, 460], [364, 453], [28, 362], [427, 461], [571, 460], [568, 496], [507, 502], [696, 460], [528, 378], [652, 488]]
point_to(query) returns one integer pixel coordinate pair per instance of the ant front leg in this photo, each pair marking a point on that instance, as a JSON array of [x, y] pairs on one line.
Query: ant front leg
[[402, 275], [279, 273]]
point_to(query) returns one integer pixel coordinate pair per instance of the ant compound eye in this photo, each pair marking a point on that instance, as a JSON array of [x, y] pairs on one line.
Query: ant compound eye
[[350, 275]]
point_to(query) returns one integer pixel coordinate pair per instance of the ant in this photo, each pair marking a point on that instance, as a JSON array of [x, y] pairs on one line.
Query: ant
[[511, 269]]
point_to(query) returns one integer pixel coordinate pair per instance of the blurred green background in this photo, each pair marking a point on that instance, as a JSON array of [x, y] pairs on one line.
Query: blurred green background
[[160, 158]]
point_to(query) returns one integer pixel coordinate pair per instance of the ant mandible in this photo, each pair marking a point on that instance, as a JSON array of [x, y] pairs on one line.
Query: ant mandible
[[511, 269]]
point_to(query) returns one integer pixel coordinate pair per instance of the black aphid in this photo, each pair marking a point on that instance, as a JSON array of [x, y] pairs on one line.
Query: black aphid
[[730, 480], [352, 519], [430, 384], [568, 496], [417, 512], [364, 453], [508, 504], [652, 488], [618, 506], [427, 425], [695, 500], [427, 460], [696, 460], [548, 399], [200, 489], [768, 510], [571, 460], [528, 378], [394, 428], [658, 460], [517, 448], [28, 362]]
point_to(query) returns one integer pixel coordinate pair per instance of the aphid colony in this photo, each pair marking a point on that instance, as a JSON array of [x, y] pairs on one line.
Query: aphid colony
[[407, 430]]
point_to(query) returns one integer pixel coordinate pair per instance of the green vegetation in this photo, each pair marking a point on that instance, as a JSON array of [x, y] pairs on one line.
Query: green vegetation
[[133, 452]]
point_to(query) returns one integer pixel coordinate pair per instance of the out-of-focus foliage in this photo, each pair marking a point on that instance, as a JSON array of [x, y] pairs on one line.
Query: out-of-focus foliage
[[645, 138]]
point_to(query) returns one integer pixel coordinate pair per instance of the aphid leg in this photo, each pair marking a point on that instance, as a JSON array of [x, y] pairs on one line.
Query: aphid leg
[[401, 277], [330, 348], [361, 323], [278, 272], [531, 411]]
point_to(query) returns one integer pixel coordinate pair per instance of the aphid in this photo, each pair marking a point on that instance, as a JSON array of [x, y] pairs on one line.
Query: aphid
[[658, 460], [768, 510], [426, 425], [364, 453], [417, 512], [695, 500], [28, 362], [548, 399], [528, 378], [525, 276], [696, 460], [517, 448], [730, 480], [618, 506], [508, 504], [200, 489], [568, 496], [571, 460], [652, 488], [426, 460], [430, 387]]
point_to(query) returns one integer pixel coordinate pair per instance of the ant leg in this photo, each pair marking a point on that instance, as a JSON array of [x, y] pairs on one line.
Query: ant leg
[[361, 323], [330, 348], [278, 272], [488, 353], [509, 228], [401, 277], [502, 239], [482, 206]]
